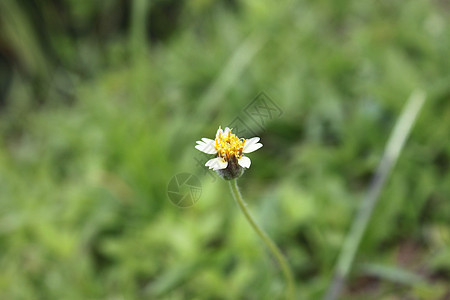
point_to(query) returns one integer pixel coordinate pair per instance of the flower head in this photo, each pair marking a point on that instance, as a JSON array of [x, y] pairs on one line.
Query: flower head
[[229, 150]]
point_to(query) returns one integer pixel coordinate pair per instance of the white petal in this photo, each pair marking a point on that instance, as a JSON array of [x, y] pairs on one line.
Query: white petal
[[253, 140], [207, 148], [251, 148], [251, 145], [244, 162], [226, 130], [216, 163], [208, 140], [219, 131]]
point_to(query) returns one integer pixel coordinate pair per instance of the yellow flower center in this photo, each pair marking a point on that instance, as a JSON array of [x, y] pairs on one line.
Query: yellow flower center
[[229, 146]]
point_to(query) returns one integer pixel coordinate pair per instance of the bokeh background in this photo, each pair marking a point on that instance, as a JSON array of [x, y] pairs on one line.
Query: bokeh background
[[101, 103]]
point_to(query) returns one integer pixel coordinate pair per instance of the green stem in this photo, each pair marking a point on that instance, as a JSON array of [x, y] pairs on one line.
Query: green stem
[[266, 239]]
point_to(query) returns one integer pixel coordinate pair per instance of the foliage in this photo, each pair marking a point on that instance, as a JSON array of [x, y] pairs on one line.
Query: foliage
[[93, 130]]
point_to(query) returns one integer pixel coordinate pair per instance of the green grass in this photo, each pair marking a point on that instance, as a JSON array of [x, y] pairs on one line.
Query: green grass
[[84, 212]]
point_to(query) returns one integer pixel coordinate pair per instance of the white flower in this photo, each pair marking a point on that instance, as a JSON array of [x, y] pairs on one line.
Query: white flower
[[229, 151]]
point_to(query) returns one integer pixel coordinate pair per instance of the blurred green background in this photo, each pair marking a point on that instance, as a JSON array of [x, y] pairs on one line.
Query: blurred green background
[[101, 103]]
